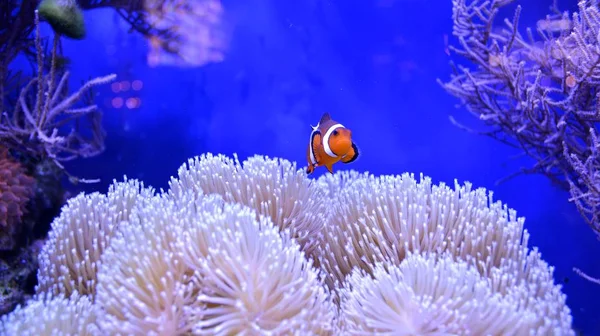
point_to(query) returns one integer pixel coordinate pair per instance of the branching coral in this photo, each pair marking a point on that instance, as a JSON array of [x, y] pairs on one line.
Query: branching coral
[[196, 28], [40, 116], [405, 255], [149, 18], [160, 21], [537, 95], [34, 112]]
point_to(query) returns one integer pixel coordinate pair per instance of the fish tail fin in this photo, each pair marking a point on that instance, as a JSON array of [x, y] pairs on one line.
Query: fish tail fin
[[329, 168]]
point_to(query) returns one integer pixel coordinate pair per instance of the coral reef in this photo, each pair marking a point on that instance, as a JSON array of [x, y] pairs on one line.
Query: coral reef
[[16, 189], [35, 125], [197, 28], [537, 95], [43, 125], [18, 276], [153, 19], [228, 249], [39, 129]]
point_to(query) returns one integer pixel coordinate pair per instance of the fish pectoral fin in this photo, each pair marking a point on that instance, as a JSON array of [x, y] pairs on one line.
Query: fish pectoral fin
[[317, 147], [352, 154], [318, 158]]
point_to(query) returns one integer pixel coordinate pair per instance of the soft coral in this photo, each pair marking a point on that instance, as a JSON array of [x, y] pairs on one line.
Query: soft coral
[[16, 188]]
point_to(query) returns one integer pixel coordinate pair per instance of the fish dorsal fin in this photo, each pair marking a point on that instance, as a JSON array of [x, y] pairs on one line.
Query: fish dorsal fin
[[324, 118]]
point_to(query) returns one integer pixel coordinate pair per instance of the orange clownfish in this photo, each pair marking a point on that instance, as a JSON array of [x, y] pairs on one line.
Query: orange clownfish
[[330, 142]]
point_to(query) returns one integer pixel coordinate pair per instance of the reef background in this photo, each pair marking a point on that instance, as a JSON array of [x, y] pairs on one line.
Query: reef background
[[373, 66]]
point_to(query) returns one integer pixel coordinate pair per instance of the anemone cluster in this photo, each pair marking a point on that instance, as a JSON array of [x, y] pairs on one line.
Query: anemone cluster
[[257, 248]]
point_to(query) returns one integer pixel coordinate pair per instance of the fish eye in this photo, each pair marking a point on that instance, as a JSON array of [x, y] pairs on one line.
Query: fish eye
[[335, 133]]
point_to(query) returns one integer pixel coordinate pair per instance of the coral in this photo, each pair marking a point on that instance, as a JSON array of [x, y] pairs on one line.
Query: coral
[[50, 195], [158, 21], [195, 26], [540, 96], [32, 120], [179, 32], [393, 255], [34, 125], [18, 276], [16, 188], [65, 17]]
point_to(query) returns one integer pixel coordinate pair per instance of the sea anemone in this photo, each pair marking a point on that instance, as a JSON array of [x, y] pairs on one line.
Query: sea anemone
[[374, 219], [273, 187], [49, 315], [382, 220], [429, 294], [252, 278], [388, 254], [207, 267], [143, 287], [78, 237]]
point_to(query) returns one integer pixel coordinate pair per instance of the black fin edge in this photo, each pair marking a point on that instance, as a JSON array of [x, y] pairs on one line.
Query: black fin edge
[[355, 154]]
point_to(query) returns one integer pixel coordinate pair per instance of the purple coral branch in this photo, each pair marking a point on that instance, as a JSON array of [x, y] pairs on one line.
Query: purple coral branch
[[36, 123], [585, 276], [537, 95], [586, 192]]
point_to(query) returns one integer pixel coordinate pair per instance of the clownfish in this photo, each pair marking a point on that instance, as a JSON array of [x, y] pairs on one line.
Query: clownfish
[[329, 143]]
